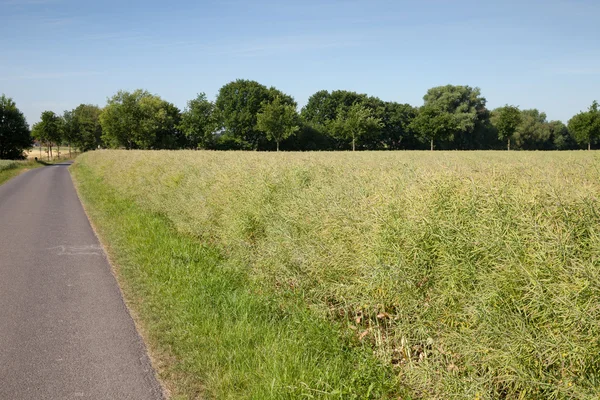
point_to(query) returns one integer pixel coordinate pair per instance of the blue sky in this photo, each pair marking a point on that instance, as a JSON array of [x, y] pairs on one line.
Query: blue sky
[[56, 54]]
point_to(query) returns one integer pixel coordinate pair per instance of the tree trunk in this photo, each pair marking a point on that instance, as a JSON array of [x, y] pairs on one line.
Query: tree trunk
[[277, 146], [589, 145], [353, 144], [69, 149], [431, 144], [40, 151], [508, 147]]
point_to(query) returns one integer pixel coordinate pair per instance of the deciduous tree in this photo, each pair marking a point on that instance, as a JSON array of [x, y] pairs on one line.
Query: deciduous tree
[[199, 122], [354, 123], [238, 104], [533, 133], [278, 120], [140, 120], [15, 136], [396, 132], [506, 120], [49, 130], [86, 125], [585, 126], [450, 113]]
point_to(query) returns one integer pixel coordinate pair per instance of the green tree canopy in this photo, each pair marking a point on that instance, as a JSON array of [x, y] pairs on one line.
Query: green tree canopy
[[561, 137], [354, 123], [506, 120], [14, 131], [396, 132], [199, 122], [450, 113], [238, 104], [433, 124], [277, 120], [49, 130], [533, 132], [140, 120], [87, 131], [323, 107], [585, 126]]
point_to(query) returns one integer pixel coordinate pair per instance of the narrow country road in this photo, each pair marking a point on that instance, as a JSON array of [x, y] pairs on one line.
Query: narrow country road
[[65, 332]]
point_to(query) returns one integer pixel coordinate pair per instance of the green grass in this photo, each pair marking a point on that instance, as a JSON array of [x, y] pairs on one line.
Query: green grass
[[212, 332], [9, 168], [465, 274]]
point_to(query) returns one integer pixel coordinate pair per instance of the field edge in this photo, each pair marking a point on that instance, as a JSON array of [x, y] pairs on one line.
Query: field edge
[[359, 375]]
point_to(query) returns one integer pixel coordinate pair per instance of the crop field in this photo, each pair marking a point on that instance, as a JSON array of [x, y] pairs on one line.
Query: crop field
[[438, 275], [8, 164]]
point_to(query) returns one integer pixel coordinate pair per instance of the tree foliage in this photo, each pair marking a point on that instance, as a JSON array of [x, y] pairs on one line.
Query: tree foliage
[[396, 132], [199, 122], [277, 120], [533, 132], [15, 136], [450, 113], [585, 126], [354, 123], [238, 104], [561, 137], [506, 120], [140, 120], [251, 116], [86, 127], [49, 130]]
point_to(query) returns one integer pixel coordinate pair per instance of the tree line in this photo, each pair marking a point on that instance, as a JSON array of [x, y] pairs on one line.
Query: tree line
[[247, 115]]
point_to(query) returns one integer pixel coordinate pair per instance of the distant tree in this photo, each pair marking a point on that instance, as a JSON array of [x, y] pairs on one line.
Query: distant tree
[[165, 120], [433, 124], [396, 132], [323, 108], [585, 126], [319, 109], [70, 132], [308, 138], [15, 136], [87, 131], [450, 113], [506, 120], [238, 104], [533, 133], [354, 123], [277, 120], [140, 120], [199, 122], [49, 130], [561, 137]]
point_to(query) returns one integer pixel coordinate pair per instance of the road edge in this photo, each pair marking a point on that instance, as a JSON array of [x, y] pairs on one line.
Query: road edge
[[141, 332]]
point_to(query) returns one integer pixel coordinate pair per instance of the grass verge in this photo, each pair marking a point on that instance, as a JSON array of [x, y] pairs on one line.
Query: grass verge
[[211, 330], [10, 169]]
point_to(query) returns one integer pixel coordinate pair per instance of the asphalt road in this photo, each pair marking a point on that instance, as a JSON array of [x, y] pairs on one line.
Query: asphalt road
[[65, 332]]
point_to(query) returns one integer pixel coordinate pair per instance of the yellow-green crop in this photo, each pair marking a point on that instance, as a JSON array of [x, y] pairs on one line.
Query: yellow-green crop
[[468, 274]]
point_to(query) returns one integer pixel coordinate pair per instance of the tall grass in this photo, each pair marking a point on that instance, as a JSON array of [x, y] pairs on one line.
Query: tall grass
[[472, 275], [8, 164], [11, 168]]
